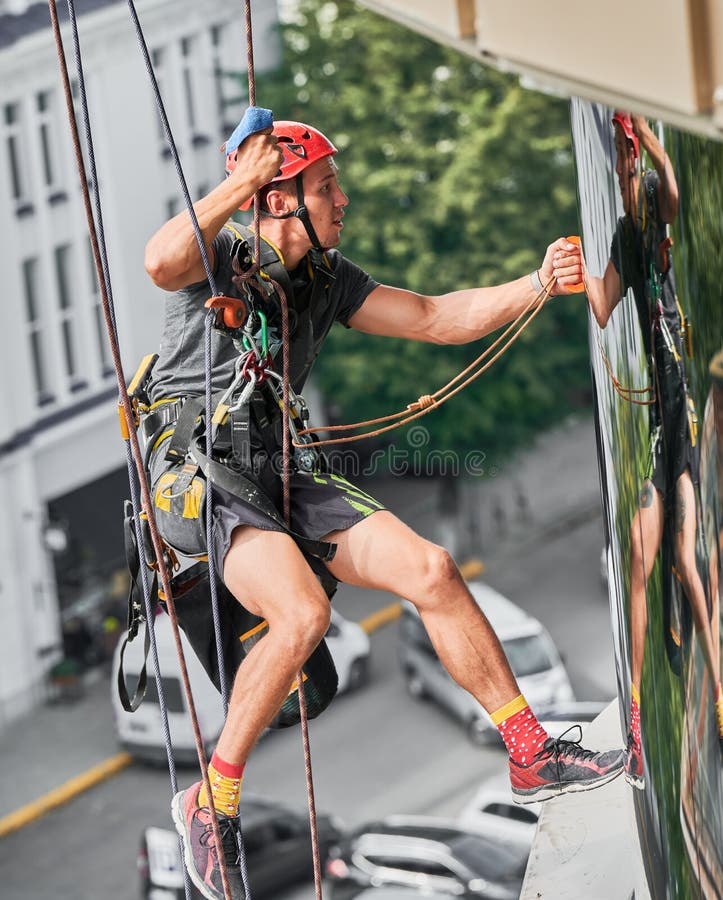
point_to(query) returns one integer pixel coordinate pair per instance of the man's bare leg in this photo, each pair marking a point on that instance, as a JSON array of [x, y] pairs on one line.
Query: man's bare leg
[[685, 534], [268, 575], [382, 552], [646, 534]]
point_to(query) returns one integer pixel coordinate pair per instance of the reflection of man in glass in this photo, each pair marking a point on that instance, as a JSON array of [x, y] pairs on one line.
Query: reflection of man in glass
[[639, 259]]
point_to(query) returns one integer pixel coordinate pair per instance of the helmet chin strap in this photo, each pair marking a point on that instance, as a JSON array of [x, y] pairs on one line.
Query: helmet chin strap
[[301, 213]]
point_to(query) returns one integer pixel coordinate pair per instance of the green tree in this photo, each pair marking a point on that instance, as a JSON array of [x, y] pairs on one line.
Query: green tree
[[457, 177]]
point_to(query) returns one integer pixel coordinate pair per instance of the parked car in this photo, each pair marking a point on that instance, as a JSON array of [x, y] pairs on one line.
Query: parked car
[[492, 811], [401, 893], [425, 854], [277, 845], [349, 646], [530, 650], [141, 732]]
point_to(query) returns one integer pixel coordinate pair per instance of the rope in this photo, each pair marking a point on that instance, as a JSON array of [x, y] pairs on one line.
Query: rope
[[130, 465], [286, 463], [133, 448], [628, 394], [427, 402]]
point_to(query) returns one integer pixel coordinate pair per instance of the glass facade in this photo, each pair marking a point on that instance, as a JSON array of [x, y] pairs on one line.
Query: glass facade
[[651, 208]]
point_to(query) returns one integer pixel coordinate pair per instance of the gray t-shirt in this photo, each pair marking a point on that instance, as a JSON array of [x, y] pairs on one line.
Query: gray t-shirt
[[180, 369]]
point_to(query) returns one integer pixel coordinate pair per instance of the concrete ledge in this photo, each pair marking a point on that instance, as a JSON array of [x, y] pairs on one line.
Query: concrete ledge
[[586, 844]]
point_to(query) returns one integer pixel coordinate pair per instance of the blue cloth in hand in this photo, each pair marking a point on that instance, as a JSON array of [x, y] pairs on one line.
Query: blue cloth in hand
[[256, 118]]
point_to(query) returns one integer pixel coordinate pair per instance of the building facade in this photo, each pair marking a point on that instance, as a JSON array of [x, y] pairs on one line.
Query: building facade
[[59, 437]]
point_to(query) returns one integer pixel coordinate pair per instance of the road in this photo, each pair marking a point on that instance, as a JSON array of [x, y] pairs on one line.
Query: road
[[375, 752]]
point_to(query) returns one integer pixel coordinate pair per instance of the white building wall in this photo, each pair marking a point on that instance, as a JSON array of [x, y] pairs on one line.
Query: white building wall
[[58, 420]]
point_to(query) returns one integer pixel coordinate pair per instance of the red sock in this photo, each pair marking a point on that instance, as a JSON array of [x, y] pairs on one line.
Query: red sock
[[635, 715], [522, 733]]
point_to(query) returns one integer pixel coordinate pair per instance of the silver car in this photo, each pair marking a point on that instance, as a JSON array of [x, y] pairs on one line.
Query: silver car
[[530, 650]]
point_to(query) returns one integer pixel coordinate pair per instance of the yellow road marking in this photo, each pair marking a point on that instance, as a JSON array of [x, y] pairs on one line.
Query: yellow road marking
[[381, 617], [64, 793]]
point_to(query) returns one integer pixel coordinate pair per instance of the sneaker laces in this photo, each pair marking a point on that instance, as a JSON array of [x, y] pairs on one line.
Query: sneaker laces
[[227, 826], [571, 749]]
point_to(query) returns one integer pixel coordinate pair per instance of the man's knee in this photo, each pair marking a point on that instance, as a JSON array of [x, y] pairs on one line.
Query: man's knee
[[437, 572], [306, 621]]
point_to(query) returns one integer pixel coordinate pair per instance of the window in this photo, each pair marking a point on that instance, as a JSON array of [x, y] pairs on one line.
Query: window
[[230, 93], [187, 48], [17, 161], [528, 655], [158, 60], [36, 338], [507, 811], [196, 112], [50, 145], [106, 365], [415, 865], [43, 105], [172, 692], [62, 255]]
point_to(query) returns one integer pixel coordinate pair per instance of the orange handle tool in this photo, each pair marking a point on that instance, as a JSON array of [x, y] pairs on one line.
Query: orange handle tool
[[580, 286]]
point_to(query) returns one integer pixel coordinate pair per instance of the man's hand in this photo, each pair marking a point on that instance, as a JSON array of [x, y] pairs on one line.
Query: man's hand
[[563, 259], [258, 159]]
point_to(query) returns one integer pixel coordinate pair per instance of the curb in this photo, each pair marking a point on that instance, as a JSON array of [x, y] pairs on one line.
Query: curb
[[60, 795]]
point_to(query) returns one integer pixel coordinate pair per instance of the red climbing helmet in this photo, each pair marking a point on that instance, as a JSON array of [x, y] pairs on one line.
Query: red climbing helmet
[[626, 123], [301, 144]]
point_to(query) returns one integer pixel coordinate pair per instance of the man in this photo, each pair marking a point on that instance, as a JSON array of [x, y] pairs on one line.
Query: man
[[262, 565], [639, 259]]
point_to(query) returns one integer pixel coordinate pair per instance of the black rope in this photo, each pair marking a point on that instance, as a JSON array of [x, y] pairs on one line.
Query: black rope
[[286, 466]]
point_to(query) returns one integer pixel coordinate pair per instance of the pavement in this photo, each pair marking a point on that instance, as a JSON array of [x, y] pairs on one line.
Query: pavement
[[64, 747]]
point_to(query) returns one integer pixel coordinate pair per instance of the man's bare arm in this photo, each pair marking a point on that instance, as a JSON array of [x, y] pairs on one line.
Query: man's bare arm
[[603, 294], [466, 315], [668, 186], [173, 257]]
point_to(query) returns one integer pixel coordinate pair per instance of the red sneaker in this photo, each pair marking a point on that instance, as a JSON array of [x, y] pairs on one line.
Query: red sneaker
[[634, 764], [562, 767], [200, 854]]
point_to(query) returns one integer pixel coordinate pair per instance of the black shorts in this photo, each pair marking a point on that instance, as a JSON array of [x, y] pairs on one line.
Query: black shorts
[[673, 449], [320, 504]]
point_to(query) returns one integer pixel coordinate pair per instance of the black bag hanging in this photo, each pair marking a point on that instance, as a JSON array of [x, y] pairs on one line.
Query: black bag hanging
[[239, 629]]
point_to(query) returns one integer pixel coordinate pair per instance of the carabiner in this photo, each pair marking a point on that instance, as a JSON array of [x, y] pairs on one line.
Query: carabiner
[[249, 345]]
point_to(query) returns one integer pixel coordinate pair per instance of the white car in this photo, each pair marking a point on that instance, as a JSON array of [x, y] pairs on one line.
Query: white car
[[492, 811], [349, 646], [531, 652]]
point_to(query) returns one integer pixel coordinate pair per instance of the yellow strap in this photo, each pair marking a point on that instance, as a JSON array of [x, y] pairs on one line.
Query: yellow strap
[[220, 413], [509, 709], [162, 438], [635, 693]]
